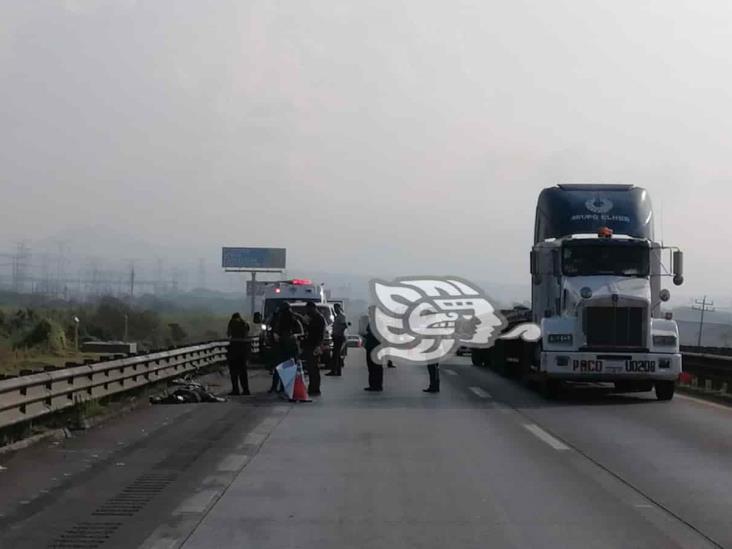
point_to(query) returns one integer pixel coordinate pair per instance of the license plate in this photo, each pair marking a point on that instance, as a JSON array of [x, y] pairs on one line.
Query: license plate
[[614, 367]]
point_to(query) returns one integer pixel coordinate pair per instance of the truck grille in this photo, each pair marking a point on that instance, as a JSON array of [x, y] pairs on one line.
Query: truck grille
[[614, 326]]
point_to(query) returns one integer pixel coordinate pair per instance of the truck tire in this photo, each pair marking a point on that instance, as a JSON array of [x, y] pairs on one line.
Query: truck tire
[[530, 353], [551, 388], [665, 390], [498, 358], [477, 357]]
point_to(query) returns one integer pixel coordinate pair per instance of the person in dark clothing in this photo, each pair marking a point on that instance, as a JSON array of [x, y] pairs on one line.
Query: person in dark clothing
[[376, 370], [238, 354], [434, 372], [340, 325], [286, 328], [314, 336]]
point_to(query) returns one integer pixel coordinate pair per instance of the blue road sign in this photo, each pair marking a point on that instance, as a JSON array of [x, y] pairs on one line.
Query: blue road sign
[[253, 258]]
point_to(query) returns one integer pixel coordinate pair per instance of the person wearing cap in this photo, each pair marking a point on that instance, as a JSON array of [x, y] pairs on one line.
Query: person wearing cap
[[340, 325], [238, 354], [312, 344]]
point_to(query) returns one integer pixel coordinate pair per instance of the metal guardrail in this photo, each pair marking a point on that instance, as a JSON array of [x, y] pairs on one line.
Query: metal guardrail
[[32, 396], [711, 371]]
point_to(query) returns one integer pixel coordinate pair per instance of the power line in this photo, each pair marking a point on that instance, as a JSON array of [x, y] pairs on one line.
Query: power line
[[702, 305]]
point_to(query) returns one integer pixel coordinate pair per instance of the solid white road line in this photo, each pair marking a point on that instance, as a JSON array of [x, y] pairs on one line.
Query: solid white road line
[[542, 435], [480, 392], [449, 372]]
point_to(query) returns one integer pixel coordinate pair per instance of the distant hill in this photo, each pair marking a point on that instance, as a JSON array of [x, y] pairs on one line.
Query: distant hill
[[713, 334]]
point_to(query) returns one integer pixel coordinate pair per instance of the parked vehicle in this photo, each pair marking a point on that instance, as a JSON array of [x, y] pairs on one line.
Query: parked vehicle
[[596, 273], [354, 341]]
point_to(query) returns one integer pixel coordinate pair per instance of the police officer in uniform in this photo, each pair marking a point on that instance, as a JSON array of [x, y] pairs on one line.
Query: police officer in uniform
[[286, 328], [238, 354], [340, 325], [376, 370], [314, 336]]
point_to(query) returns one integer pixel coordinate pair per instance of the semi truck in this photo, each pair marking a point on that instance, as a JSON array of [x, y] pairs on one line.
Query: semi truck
[[597, 291]]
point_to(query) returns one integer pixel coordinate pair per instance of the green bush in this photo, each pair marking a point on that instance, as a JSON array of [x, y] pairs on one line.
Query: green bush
[[46, 335]]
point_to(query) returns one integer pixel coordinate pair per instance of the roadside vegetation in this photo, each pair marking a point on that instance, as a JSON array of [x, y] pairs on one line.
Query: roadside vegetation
[[35, 334]]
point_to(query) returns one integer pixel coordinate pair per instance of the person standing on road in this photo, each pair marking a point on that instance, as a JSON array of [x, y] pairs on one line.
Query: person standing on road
[[312, 346], [376, 370], [286, 328], [238, 354], [434, 372], [340, 325]]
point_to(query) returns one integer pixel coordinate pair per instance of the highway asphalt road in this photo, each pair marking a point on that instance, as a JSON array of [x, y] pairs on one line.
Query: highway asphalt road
[[485, 463]]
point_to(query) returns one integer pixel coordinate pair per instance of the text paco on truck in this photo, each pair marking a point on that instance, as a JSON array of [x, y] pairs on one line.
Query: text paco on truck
[[596, 272]]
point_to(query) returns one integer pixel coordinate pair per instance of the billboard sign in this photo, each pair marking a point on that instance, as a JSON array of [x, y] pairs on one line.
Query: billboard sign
[[254, 259]]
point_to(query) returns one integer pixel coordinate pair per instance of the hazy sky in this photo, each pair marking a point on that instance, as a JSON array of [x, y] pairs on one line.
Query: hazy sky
[[397, 137]]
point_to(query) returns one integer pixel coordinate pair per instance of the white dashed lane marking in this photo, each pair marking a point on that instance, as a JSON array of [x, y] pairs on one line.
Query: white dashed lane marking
[[480, 392], [545, 437]]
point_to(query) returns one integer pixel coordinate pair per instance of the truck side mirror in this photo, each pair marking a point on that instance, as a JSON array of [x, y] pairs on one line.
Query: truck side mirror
[[678, 267]]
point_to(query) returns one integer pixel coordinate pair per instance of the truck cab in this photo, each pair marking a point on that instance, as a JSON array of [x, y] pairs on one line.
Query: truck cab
[[597, 293]]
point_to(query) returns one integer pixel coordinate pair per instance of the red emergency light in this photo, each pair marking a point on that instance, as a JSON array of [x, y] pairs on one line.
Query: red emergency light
[[301, 282], [277, 290]]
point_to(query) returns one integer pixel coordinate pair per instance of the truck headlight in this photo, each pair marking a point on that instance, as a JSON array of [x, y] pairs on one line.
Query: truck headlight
[[664, 340], [561, 339]]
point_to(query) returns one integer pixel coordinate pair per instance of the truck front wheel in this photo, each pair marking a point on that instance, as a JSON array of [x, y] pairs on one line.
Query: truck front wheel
[[479, 357], [665, 390]]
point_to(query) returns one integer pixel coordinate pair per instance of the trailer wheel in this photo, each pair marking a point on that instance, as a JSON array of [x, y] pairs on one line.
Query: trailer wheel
[[476, 357], [665, 390], [480, 357], [551, 388]]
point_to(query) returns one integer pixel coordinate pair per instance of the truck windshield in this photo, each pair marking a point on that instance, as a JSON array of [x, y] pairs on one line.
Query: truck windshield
[[602, 259]]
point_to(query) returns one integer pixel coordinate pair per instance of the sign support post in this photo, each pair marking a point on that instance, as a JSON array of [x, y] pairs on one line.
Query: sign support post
[[253, 260], [254, 291]]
